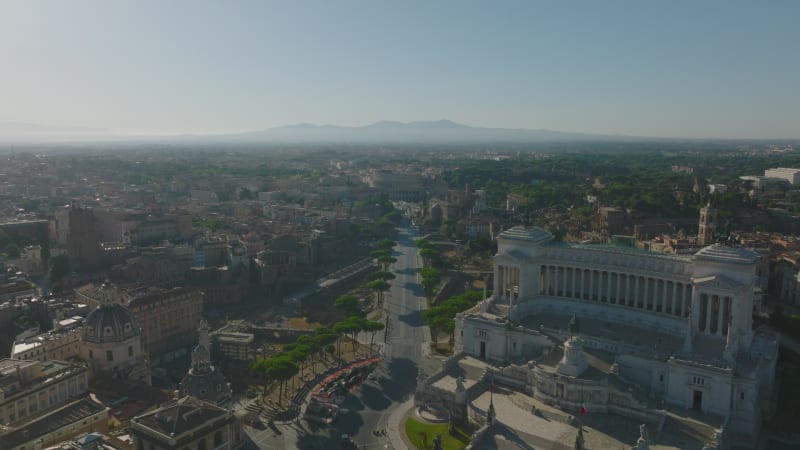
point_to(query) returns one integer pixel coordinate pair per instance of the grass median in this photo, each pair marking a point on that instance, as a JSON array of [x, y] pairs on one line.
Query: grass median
[[422, 434]]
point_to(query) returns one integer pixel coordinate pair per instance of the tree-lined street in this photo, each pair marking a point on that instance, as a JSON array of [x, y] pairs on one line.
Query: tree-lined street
[[370, 406]]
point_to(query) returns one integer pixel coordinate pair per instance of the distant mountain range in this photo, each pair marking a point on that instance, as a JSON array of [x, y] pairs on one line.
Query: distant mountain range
[[440, 131], [384, 132]]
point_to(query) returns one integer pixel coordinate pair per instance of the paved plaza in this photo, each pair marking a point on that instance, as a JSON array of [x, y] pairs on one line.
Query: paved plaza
[[525, 423]]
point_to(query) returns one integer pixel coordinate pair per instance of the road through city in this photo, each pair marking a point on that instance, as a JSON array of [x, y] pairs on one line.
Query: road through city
[[365, 414]]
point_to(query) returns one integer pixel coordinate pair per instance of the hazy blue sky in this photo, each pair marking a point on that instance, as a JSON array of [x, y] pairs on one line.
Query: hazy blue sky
[[667, 68]]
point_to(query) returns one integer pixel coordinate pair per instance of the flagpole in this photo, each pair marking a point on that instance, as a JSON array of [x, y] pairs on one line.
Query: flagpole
[[491, 412], [582, 410], [491, 392]]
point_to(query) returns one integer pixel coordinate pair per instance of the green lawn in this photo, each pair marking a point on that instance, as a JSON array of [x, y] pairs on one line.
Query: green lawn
[[418, 432]]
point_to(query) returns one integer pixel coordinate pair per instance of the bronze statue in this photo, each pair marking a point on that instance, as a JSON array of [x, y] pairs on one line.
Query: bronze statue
[[574, 326]]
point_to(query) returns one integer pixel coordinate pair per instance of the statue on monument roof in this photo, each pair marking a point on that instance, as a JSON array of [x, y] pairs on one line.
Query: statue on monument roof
[[574, 326]]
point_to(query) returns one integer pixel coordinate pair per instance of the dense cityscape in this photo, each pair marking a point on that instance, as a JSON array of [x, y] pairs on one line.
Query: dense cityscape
[[376, 225], [298, 299]]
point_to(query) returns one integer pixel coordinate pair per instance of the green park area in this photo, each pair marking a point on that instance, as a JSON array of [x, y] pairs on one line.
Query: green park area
[[422, 434]]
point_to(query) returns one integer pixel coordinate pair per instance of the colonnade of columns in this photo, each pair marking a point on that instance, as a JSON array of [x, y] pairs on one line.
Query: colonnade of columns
[[635, 291], [713, 315], [507, 283]]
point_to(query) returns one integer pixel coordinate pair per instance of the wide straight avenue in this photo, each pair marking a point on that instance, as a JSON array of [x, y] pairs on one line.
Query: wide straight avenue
[[367, 412], [408, 337]]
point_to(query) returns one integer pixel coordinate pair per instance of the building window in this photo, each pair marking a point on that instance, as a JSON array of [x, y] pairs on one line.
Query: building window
[[217, 439], [700, 381], [201, 444], [741, 395], [91, 354], [482, 333], [109, 355], [130, 350]]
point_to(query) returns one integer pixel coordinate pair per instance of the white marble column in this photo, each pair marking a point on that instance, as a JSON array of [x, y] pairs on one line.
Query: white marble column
[[726, 321], [674, 298], [583, 283], [617, 295], [687, 300], [654, 297], [512, 272], [600, 282], [695, 305], [628, 294], [557, 279], [506, 283], [572, 281], [496, 282]]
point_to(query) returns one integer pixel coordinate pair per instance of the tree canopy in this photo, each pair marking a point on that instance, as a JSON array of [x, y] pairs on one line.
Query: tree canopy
[[430, 279]]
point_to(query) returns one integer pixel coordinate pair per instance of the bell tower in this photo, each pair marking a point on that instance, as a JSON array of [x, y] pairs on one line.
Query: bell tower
[[708, 225]]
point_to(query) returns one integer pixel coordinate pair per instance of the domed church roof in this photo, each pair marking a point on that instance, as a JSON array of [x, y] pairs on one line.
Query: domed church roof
[[204, 381], [110, 323]]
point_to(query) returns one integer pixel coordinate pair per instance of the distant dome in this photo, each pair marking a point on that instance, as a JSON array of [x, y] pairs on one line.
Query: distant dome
[[204, 381], [109, 323]]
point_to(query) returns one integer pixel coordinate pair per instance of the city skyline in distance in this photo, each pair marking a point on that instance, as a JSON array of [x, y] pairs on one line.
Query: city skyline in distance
[[721, 70]]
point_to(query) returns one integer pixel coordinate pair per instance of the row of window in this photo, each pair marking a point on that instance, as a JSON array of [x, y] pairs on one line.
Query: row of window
[[110, 353], [43, 400]]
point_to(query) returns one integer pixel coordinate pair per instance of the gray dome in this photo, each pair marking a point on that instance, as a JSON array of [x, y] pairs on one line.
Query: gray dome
[[110, 323], [209, 385], [204, 381]]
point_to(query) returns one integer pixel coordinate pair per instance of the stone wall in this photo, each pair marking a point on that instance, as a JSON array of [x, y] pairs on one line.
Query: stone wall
[[428, 394]]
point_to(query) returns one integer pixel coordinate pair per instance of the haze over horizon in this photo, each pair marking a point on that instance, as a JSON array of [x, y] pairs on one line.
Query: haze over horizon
[[678, 70]]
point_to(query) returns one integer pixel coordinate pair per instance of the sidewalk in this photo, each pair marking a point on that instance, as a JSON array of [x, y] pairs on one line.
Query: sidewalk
[[396, 426]]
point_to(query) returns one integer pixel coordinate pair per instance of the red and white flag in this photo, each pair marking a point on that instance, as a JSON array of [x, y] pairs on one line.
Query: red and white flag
[[583, 410]]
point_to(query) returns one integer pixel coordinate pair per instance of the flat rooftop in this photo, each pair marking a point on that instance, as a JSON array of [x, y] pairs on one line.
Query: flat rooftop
[[469, 368], [72, 413], [233, 337]]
